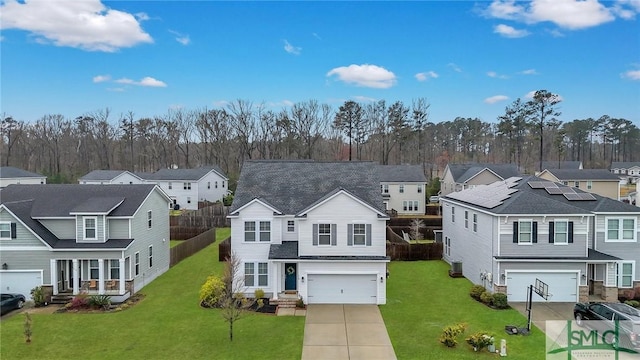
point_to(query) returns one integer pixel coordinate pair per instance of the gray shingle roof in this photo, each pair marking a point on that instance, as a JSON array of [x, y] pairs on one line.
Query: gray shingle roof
[[401, 173], [291, 186], [10, 172], [585, 174], [104, 175], [55, 200], [100, 205], [592, 255], [184, 174], [286, 250], [624, 164], [561, 165], [464, 172]]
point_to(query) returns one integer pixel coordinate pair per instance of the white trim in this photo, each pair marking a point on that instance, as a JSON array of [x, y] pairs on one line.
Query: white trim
[[24, 248], [567, 233], [479, 172], [84, 228], [96, 212], [577, 272], [534, 260], [256, 200], [619, 273], [530, 221], [342, 191], [8, 223], [620, 229], [2, 206]]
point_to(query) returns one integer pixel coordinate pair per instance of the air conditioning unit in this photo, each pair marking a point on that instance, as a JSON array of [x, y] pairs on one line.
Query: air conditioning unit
[[456, 269]]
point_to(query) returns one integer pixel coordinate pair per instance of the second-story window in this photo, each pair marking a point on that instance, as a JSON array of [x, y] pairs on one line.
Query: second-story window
[[359, 234], [208, 184], [265, 231], [291, 226], [401, 188], [170, 185], [187, 186], [90, 228], [385, 188], [324, 234], [249, 231], [453, 214], [466, 219], [149, 219], [419, 189], [475, 222]]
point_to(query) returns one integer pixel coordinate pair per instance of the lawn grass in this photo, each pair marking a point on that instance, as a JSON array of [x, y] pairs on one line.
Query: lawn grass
[[422, 299], [167, 324]]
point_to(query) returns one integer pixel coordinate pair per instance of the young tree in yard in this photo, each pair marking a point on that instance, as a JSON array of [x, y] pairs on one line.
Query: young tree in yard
[[233, 303], [416, 229], [543, 113]]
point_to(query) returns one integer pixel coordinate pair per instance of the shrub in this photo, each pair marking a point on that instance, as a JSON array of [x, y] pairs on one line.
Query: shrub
[[476, 291], [634, 303], [480, 340], [300, 304], [486, 297], [79, 301], [259, 294], [38, 296], [212, 291], [450, 333], [100, 301], [500, 301]]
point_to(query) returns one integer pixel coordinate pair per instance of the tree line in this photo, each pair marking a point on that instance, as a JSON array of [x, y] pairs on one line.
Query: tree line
[[391, 133]]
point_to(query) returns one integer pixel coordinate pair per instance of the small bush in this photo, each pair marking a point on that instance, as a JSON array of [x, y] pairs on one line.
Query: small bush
[[480, 340], [259, 294], [486, 297], [300, 304], [450, 334], [79, 301], [634, 303], [212, 291], [38, 296], [476, 291], [100, 301], [500, 301]]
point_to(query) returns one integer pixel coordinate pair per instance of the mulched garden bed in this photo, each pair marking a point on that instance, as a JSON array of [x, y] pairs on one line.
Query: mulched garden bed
[[131, 301]]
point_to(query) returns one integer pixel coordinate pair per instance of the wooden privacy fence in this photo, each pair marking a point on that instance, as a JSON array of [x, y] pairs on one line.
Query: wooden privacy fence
[[224, 249], [191, 246], [208, 217], [411, 252]]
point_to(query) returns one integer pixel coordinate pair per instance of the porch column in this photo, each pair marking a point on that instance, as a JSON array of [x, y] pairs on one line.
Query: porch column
[[101, 276], [76, 276], [121, 277], [54, 276]]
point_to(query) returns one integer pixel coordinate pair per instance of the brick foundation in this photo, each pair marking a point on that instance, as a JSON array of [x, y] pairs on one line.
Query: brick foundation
[[610, 294], [583, 294]]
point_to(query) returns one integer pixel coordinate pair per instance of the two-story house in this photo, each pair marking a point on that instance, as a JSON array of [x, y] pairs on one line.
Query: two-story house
[[457, 177], [510, 233], [96, 239], [628, 171], [595, 181], [403, 188], [12, 175], [312, 228], [104, 177]]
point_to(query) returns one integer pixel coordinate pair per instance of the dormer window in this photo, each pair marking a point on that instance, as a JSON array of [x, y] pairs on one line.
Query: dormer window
[[90, 228]]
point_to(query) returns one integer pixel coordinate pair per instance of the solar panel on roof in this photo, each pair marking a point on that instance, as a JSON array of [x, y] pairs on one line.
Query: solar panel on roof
[[541, 184], [586, 196], [572, 196]]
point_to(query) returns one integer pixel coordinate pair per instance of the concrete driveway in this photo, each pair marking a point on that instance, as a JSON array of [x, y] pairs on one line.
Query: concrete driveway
[[348, 332], [543, 311]]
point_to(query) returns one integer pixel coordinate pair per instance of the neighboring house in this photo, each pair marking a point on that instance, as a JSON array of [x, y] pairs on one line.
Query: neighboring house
[[596, 181], [403, 188], [185, 187], [97, 239], [571, 165], [12, 175], [312, 228], [188, 186], [103, 177], [458, 177], [510, 233], [628, 171]]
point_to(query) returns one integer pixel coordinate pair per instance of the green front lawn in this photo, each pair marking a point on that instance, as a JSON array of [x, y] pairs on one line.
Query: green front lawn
[[167, 324], [422, 299]]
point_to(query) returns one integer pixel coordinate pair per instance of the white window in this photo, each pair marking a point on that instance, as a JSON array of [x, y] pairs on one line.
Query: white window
[[114, 269], [385, 188], [576, 184], [291, 226], [249, 274], [249, 231], [405, 206], [324, 234], [621, 229], [589, 185], [223, 184], [170, 185], [625, 275], [90, 228], [136, 263], [186, 186], [216, 184], [359, 234], [208, 184], [447, 246], [263, 274], [150, 256], [525, 232], [5, 230], [475, 222], [94, 270], [149, 219], [466, 219], [415, 205], [419, 189], [561, 232], [453, 214], [401, 188], [265, 231], [188, 199]]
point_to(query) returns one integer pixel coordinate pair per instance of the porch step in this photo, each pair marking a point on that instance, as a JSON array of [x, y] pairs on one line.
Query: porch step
[[289, 302], [61, 299]]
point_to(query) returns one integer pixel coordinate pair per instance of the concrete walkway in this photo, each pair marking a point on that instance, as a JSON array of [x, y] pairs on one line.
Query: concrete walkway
[[345, 332], [543, 311]]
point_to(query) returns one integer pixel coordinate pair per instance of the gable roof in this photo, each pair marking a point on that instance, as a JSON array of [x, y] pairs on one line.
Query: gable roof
[[292, 186], [575, 165], [624, 164], [518, 197], [584, 174], [59, 200], [106, 175], [463, 172], [10, 172], [401, 173], [184, 174]]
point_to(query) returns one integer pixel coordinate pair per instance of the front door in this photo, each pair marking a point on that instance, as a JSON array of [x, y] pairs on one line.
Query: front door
[[290, 270]]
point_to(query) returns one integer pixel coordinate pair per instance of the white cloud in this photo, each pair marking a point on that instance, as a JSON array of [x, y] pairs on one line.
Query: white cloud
[[493, 74], [220, 103], [364, 98], [116, 89], [567, 14], [496, 98], [632, 75], [529, 72], [87, 25], [510, 32], [556, 33], [181, 38], [366, 75], [141, 16], [424, 76], [101, 78], [455, 67], [146, 81], [176, 106], [295, 50], [315, 35]]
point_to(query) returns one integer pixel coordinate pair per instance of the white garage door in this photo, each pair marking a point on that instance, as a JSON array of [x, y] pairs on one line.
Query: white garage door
[[20, 281], [342, 289], [563, 286]]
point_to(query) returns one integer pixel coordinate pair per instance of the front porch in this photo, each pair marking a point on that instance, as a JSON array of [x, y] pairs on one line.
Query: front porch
[[70, 277]]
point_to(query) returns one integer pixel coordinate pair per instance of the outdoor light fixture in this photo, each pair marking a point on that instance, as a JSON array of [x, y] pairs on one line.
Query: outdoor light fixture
[[5, 266], [381, 279], [502, 276], [584, 277], [303, 279]]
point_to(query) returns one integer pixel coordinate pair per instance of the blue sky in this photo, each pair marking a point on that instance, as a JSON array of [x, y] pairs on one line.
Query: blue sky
[[468, 59]]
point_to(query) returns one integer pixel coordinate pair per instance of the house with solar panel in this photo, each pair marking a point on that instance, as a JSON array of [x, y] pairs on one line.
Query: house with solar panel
[[507, 234], [312, 230], [595, 181], [457, 177], [12, 175], [403, 188]]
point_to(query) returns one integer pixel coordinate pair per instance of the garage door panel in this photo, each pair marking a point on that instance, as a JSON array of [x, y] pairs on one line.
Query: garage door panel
[[563, 286], [342, 289], [20, 282]]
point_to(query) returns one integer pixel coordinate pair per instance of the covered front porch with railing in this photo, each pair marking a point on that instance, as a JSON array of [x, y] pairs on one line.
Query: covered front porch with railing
[[90, 276]]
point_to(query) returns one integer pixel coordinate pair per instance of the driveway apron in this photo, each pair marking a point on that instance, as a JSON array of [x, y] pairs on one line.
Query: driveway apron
[[349, 332]]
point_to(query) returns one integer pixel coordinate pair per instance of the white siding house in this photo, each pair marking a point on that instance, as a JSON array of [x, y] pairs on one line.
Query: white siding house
[[11, 175], [403, 188]]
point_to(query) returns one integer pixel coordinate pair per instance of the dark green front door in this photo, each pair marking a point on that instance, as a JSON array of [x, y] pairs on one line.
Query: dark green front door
[[290, 270]]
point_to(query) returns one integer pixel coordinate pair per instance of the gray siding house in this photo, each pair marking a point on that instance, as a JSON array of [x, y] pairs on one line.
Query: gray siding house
[[403, 188], [110, 240], [510, 233]]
